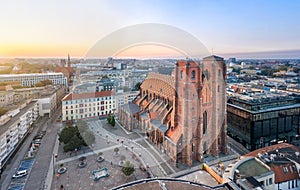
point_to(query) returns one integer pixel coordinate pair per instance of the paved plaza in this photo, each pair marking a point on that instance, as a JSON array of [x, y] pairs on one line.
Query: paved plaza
[[148, 160]]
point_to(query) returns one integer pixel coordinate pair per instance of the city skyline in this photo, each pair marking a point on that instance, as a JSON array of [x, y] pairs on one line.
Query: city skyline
[[227, 28]]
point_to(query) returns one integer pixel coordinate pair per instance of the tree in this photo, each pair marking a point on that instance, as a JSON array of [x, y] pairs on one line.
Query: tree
[[128, 168], [46, 82], [113, 122], [88, 137], [66, 134], [108, 118], [137, 86], [74, 143], [39, 84], [126, 89], [3, 111], [82, 126]]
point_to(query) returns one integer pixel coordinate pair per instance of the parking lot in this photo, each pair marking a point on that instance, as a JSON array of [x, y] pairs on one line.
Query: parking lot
[[18, 183], [26, 164]]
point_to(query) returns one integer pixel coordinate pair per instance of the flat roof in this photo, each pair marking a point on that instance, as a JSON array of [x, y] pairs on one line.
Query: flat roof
[[251, 168], [4, 128], [266, 109], [28, 74]]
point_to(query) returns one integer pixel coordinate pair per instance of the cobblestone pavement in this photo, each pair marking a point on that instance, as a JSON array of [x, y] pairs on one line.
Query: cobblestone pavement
[[80, 178], [133, 145]]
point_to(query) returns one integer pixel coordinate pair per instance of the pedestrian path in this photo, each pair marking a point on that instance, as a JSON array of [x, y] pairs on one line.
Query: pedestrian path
[[157, 153], [136, 148], [86, 154]]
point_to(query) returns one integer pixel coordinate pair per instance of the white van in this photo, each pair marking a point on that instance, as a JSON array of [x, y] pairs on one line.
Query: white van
[[20, 174]]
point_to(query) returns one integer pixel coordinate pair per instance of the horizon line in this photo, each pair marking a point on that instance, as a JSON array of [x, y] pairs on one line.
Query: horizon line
[[283, 54]]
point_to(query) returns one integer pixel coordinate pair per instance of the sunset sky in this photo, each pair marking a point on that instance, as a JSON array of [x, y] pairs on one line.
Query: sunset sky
[[35, 28]]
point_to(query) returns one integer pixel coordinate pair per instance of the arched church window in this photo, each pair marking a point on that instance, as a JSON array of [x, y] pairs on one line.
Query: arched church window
[[193, 75], [204, 122]]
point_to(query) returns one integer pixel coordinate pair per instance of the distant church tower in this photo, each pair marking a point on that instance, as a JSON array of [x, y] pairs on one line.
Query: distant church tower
[[200, 107], [69, 61]]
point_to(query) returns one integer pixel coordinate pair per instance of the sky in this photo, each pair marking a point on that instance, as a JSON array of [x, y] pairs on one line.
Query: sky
[[40, 28]]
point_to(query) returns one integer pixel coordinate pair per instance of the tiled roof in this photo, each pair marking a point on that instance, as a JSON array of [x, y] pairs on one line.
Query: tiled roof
[[271, 148], [131, 108], [281, 165], [72, 96], [285, 172], [157, 124], [159, 84], [174, 134], [213, 57]]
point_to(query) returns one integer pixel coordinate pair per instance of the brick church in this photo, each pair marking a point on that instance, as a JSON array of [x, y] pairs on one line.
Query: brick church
[[183, 114]]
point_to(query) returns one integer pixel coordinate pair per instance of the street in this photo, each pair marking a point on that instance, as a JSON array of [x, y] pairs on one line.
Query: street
[[44, 156], [16, 160]]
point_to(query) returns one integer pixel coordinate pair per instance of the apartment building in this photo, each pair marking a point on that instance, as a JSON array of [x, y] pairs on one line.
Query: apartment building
[[14, 127], [33, 78], [85, 105], [6, 95]]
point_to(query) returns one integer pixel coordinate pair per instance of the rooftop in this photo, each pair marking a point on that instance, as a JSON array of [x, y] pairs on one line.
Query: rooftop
[[14, 119], [131, 108], [28, 74], [251, 168], [169, 183], [72, 96], [280, 158], [213, 57]]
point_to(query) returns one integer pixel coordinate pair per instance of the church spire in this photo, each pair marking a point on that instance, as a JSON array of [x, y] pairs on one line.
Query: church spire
[[69, 61]]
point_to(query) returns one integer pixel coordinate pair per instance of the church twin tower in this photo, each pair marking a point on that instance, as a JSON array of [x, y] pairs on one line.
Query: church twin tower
[[200, 108], [184, 114]]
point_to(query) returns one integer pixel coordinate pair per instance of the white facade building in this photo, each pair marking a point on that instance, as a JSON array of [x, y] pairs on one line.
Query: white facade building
[[47, 105], [94, 104], [14, 126], [33, 78], [6, 97], [85, 105]]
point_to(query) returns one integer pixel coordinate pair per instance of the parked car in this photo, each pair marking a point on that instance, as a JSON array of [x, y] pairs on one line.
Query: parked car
[[36, 145], [36, 142], [38, 137], [20, 174]]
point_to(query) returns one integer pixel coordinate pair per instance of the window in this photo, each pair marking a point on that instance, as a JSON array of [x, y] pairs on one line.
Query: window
[[181, 74], [204, 122], [193, 75], [219, 72], [285, 170]]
